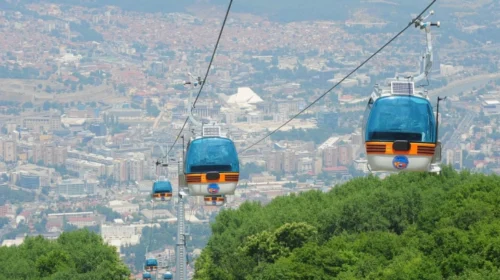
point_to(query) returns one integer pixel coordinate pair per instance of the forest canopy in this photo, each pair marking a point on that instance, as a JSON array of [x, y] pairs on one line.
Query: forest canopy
[[406, 226], [77, 255]]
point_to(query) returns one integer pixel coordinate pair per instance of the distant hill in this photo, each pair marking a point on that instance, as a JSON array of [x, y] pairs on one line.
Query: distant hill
[[407, 226], [298, 10], [280, 10], [149, 6], [452, 13]]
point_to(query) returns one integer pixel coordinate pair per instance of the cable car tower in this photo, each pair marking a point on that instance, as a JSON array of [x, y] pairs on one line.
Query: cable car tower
[[209, 168], [400, 129], [161, 192]]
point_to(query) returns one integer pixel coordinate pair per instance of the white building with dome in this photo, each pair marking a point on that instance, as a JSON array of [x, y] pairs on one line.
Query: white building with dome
[[242, 104]]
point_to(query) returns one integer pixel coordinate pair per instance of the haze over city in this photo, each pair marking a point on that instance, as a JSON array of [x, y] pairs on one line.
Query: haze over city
[[94, 97]]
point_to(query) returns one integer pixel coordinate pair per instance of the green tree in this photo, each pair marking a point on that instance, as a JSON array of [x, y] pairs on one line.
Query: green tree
[[407, 226], [152, 109], [108, 212], [75, 255], [53, 262], [28, 104], [250, 168], [3, 222], [46, 105]]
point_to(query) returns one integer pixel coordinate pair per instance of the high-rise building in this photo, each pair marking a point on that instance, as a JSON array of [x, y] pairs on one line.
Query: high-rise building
[[454, 157], [345, 154], [274, 161], [9, 150], [120, 170], [37, 153], [318, 165], [289, 162], [54, 155], [136, 169], [48, 155], [60, 155], [330, 157]]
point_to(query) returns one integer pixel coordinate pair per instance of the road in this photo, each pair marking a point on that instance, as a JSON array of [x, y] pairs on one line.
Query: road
[[158, 119], [463, 127], [463, 85], [452, 140]]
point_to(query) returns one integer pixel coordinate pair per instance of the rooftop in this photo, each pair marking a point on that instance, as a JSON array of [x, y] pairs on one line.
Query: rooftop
[[491, 102], [244, 97]]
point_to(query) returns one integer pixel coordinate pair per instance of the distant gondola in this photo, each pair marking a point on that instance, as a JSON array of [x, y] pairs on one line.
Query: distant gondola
[[162, 190], [146, 276], [151, 265], [168, 275]]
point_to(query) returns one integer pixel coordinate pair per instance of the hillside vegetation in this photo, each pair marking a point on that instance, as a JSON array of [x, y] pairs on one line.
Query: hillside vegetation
[[77, 255], [407, 226]]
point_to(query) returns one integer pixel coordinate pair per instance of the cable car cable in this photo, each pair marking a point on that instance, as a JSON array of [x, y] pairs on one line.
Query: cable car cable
[[343, 79], [152, 217], [213, 54], [152, 228], [176, 138], [202, 84]]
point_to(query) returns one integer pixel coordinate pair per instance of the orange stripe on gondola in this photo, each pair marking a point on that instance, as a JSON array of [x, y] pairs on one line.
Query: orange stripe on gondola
[[202, 178], [214, 198], [385, 148], [162, 195]]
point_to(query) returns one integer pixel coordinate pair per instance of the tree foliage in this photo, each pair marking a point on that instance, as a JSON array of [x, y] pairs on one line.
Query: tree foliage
[[3, 221], [14, 196], [18, 73], [108, 212], [86, 33], [407, 226], [250, 168], [74, 255]]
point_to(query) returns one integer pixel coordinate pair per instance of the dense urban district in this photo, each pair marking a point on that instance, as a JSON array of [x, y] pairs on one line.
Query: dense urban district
[[92, 97]]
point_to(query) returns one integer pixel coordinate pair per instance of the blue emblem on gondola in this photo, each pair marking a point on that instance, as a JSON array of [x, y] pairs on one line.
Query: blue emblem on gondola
[[213, 188], [400, 162]]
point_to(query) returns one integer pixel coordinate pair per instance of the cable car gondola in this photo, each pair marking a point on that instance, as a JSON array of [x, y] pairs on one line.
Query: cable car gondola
[[211, 166], [400, 133], [146, 276], [162, 190], [151, 265], [168, 275], [400, 130]]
